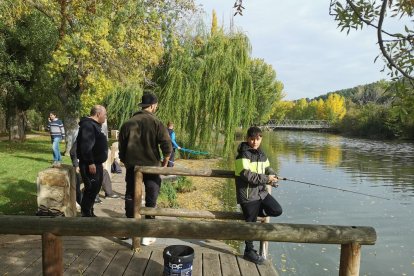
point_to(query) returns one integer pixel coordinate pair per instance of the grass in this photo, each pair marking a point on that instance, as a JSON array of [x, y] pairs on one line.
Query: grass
[[169, 189], [19, 166]]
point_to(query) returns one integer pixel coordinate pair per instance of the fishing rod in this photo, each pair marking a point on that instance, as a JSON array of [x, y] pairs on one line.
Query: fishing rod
[[333, 188]]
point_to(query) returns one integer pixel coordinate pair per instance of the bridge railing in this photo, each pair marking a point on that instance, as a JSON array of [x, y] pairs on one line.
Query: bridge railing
[[299, 124]]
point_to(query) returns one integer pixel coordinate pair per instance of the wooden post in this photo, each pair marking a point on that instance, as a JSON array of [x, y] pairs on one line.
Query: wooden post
[[264, 245], [139, 181], [350, 259], [52, 253]]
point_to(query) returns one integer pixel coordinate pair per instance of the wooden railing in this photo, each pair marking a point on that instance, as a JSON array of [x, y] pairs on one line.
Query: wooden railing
[[322, 234], [53, 228]]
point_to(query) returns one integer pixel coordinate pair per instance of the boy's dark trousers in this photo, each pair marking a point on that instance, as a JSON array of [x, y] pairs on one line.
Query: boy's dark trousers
[[92, 183], [265, 207], [152, 184]]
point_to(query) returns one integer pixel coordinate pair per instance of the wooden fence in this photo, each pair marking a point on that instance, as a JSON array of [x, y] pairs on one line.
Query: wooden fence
[[52, 228]]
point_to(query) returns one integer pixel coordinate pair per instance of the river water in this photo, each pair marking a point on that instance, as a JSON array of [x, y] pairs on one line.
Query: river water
[[379, 168]]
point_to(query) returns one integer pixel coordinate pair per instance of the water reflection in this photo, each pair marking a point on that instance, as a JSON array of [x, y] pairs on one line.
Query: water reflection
[[373, 167], [387, 163]]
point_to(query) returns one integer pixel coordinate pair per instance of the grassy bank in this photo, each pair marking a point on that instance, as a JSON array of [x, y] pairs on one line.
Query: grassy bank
[[20, 164]]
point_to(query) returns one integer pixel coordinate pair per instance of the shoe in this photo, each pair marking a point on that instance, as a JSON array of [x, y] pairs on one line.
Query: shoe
[[253, 257], [78, 207], [98, 200], [112, 196], [56, 164], [148, 241], [88, 215]]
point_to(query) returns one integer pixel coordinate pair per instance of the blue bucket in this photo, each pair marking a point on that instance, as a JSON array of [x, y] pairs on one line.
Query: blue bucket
[[178, 260]]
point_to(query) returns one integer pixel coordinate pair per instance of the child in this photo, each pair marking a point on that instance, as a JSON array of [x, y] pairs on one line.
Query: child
[[253, 173]]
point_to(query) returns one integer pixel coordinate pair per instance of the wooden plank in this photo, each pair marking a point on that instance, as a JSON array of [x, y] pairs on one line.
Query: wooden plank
[[247, 268], [211, 264], [100, 263], [198, 263], [267, 269], [29, 260], [12, 260], [155, 264], [69, 256], [81, 263], [229, 265], [119, 263], [138, 263]]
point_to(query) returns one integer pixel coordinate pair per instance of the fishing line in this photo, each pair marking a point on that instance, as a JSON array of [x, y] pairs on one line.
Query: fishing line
[[328, 187]]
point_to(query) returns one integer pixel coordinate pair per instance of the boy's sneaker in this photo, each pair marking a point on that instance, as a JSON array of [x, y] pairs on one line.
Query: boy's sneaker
[[253, 257]]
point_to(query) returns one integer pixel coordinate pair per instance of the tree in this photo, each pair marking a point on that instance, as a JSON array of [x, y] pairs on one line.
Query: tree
[[396, 48], [266, 88], [335, 108], [25, 47], [205, 86], [101, 45]]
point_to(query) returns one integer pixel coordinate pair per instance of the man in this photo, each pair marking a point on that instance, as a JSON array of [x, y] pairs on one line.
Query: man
[[57, 133], [92, 151], [139, 141]]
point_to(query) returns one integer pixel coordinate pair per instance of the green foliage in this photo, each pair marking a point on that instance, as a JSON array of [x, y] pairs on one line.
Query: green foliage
[[370, 121], [122, 104], [183, 185], [266, 89], [205, 87], [395, 46], [168, 196], [25, 47], [35, 120]]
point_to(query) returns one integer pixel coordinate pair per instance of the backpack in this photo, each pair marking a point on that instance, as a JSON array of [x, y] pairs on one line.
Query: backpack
[[115, 167]]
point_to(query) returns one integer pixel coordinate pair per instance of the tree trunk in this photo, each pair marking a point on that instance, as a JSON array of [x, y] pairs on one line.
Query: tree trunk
[[71, 131], [17, 125]]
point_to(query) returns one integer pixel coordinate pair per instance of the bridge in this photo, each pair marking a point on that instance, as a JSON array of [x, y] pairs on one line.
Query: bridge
[[297, 125]]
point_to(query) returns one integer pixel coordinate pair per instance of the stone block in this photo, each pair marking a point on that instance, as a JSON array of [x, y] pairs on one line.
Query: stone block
[[56, 189]]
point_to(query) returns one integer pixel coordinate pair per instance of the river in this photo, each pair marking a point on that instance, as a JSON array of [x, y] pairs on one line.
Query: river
[[379, 168]]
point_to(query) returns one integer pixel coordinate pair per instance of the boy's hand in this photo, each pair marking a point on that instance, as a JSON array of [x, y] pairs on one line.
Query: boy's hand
[[273, 180]]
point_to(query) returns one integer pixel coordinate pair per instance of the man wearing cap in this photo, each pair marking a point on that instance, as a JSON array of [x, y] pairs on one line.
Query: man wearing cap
[[140, 139]]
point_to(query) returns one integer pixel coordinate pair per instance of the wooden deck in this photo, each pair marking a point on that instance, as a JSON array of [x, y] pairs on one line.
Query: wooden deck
[[22, 255]]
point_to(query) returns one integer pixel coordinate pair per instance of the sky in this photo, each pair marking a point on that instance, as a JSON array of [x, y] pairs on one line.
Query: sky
[[301, 41]]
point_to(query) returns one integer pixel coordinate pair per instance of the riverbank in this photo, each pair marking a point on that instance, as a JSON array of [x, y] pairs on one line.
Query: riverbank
[[206, 195]]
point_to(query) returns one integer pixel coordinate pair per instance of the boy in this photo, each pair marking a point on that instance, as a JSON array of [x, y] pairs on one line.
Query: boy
[[253, 173]]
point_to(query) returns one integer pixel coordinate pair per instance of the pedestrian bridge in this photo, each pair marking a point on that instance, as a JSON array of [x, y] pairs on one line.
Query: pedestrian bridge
[[297, 124]]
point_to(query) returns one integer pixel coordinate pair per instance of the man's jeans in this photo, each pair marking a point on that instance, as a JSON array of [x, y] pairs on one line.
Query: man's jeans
[[56, 150]]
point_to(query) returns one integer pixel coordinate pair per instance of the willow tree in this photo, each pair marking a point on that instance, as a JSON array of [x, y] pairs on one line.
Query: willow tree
[[206, 88]]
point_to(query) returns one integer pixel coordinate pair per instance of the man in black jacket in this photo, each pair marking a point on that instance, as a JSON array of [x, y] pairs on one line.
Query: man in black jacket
[[140, 140], [92, 151]]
